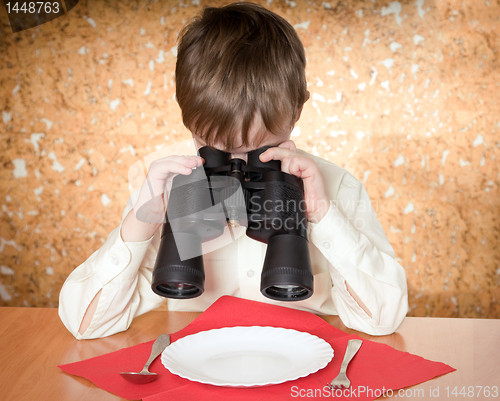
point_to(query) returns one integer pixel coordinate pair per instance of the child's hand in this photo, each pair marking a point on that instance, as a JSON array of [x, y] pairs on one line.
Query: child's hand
[[317, 201], [152, 201]]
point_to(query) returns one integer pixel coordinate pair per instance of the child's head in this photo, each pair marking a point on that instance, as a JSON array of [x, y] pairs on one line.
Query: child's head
[[240, 66]]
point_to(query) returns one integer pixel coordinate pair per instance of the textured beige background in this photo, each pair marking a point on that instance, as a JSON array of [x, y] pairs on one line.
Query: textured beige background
[[404, 94]]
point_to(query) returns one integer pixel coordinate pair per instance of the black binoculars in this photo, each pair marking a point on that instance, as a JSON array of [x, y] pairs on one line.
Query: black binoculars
[[225, 191]]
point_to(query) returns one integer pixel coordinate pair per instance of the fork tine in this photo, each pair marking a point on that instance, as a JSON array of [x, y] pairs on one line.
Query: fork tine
[[339, 386], [341, 380]]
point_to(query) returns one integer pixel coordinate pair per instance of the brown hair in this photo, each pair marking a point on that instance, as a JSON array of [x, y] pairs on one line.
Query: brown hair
[[234, 63]]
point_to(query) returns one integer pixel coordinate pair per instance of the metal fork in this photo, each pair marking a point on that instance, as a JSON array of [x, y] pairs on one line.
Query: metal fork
[[341, 380]]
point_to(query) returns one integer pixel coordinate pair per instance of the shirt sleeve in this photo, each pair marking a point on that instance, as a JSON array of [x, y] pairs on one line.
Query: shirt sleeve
[[122, 271], [353, 241]]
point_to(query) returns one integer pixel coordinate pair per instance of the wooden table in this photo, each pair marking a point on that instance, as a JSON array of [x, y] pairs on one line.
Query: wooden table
[[34, 341]]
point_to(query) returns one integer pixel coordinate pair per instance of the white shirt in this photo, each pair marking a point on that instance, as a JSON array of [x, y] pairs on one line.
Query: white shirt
[[347, 245]]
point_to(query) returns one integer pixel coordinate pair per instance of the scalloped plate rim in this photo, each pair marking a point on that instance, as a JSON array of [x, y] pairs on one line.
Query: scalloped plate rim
[[329, 354]]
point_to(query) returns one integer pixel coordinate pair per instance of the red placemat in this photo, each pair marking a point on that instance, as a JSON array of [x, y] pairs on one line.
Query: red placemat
[[375, 369]]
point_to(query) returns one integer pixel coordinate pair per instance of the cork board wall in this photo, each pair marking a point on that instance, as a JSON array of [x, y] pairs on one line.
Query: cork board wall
[[404, 94]]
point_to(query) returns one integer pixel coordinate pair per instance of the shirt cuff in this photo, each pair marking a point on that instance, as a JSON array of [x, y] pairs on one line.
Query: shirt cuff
[[120, 258], [334, 235]]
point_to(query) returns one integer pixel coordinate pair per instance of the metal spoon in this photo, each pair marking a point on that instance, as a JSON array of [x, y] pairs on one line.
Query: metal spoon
[[145, 376]]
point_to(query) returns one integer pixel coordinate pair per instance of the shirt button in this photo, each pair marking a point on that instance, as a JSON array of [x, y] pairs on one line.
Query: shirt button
[[115, 260], [326, 245], [250, 273]]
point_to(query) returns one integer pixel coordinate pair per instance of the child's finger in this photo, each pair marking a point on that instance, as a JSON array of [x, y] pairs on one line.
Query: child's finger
[[186, 160], [162, 170], [275, 154], [299, 166], [192, 161], [290, 145]]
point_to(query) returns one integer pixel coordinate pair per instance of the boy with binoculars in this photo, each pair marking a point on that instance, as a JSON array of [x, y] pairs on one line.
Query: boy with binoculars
[[241, 86]]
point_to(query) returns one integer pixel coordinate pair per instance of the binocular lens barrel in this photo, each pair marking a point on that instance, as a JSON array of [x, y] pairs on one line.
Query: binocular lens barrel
[[176, 278], [287, 292], [287, 273], [177, 290]]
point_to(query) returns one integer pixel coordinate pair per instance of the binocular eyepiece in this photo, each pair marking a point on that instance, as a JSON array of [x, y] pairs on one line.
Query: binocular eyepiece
[[225, 191]]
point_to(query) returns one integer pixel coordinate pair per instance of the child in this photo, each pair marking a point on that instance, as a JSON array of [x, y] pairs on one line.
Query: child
[[240, 83]]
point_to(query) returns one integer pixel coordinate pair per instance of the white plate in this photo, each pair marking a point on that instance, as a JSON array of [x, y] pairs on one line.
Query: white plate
[[247, 356]]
